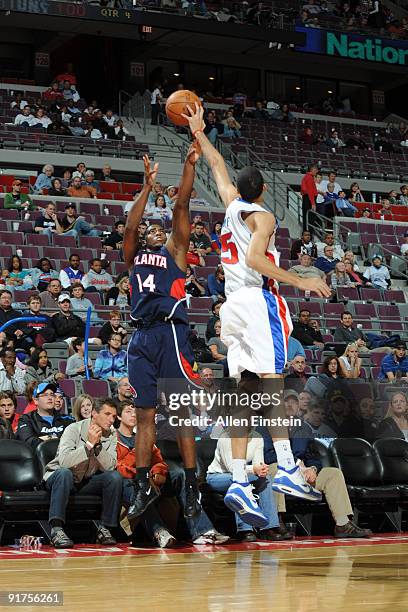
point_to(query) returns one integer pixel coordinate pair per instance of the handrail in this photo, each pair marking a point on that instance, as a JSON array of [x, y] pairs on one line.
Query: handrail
[[121, 103]]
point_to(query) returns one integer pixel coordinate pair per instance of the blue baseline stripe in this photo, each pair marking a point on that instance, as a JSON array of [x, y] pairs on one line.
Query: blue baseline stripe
[[276, 330]]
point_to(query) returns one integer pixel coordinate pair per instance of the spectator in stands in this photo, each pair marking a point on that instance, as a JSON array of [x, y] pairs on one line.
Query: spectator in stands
[[339, 277], [309, 193], [232, 129], [83, 406], [7, 313], [307, 336], [79, 190], [39, 369], [355, 141], [115, 239], [218, 348], [215, 308], [219, 478], [334, 142], [332, 176], [161, 209], [80, 303], [344, 206], [67, 326], [44, 422], [304, 245], [37, 332], [328, 480], [106, 174], [349, 257], [120, 294], [92, 132], [76, 363], [192, 286], [308, 137], [72, 273], [57, 128], [97, 278], [403, 198], [80, 171], [88, 468], [395, 365], [120, 131], [327, 262], [260, 112], [56, 188], [66, 178], [114, 325], [297, 377], [404, 245], [41, 119], [194, 199], [124, 390], [17, 200], [213, 128], [111, 363], [193, 258], [395, 424], [386, 209], [377, 275], [216, 284], [355, 194], [348, 334], [216, 237], [155, 103], [75, 225], [11, 376], [330, 373], [18, 102], [48, 223], [8, 407], [355, 277], [90, 180], [25, 118], [367, 214], [201, 241], [53, 94], [49, 298], [284, 114], [350, 362], [329, 241], [305, 269], [15, 276], [110, 118], [304, 402]]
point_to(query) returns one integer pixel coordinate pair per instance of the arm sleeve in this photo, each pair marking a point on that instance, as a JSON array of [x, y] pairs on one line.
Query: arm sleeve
[[26, 433], [65, 282]]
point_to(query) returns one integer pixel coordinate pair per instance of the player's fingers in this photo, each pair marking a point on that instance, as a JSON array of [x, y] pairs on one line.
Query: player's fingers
[[185, 116], [190, 110]]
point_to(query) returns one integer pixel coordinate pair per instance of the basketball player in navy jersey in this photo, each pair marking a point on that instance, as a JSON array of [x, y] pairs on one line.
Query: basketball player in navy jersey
[[159, 348]]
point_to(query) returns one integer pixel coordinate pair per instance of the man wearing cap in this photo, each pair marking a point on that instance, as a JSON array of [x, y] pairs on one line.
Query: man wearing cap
[[86, 463], [44, 422], [404, 244], [67, 325], [395, 365], [17, 200], [49, 223], [71, 222], [377, 275]]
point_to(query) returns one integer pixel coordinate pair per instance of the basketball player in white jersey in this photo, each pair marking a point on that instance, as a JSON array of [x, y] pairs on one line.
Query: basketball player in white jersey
[[255, 320]]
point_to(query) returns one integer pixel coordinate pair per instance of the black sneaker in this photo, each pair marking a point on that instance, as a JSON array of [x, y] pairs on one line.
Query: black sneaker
[[351, 530], [272, 535], [193, 501], [246, 536], [59, 538], [104, 536], [145, 495]]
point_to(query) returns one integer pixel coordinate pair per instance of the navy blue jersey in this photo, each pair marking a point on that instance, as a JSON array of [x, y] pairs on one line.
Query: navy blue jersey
[[157, 286]]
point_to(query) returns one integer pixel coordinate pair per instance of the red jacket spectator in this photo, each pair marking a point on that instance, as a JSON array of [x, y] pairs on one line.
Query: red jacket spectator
[[126, 461], [308, 187]]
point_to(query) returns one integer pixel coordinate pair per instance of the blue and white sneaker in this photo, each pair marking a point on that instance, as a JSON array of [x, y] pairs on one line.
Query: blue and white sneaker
[[292, 482], [240, 499]]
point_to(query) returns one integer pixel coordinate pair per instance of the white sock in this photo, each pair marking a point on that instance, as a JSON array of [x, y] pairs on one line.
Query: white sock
[[284, 454], [239, 473], [341, 521]]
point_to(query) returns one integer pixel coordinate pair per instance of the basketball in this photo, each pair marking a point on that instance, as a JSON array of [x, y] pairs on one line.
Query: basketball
[[177, 104]]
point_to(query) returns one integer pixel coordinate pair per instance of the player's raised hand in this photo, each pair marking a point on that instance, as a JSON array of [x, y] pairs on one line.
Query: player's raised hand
[[195, 118], [149, 174], [194, 153], [317, 285]]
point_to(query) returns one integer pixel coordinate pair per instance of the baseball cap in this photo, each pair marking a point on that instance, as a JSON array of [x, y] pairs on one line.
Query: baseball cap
[[290, 393], [42, 387], [64, 297], [70, 205], [400, 344]]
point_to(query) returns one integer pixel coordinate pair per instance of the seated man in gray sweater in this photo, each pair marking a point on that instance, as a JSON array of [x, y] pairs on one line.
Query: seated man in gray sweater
[[86, 463], [305, 269]]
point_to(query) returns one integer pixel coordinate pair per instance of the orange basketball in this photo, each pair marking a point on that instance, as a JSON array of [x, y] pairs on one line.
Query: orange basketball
[[177, 104]]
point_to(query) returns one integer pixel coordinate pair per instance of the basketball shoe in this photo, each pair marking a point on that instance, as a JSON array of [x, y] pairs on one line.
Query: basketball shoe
[[146, 494], [240, 499], [292, 482]]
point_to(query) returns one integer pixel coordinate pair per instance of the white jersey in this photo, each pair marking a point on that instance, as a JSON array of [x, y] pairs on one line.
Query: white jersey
[[235, 238]]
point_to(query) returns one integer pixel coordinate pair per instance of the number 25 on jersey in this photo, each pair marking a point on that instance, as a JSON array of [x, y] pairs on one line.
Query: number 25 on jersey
[[229, 251], [146, 284]]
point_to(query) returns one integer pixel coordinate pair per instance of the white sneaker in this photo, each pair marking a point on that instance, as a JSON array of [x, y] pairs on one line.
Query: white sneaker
[[211, 537], [164, 539], [292, 482]]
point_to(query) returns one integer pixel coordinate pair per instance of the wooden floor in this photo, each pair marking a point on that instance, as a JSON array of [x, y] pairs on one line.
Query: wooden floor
[[332, 578]]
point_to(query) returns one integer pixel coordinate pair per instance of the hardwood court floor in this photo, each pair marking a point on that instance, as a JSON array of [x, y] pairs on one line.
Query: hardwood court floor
[[311, 576]]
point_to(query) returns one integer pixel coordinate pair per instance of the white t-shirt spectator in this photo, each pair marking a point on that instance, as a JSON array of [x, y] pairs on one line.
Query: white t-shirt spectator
[[45, 121], [323, 187], [404, 249], [110, 120], [156, 96], [377, 276], [20, 118], [23, 104], [338, 252]]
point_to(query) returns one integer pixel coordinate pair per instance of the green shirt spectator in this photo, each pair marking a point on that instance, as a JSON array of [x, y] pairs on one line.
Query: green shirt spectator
[[16, 199]]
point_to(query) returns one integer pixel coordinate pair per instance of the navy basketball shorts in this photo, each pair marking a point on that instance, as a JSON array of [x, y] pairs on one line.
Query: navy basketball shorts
[[160, 353]]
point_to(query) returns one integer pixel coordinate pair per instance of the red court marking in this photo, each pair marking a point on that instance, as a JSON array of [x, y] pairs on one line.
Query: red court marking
[[93, 550]]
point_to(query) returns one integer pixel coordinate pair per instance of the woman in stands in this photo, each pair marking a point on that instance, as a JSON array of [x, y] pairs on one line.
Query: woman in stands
[[218, 348], [82, 407], [43, 273], [350, 362], [120, 294], [395, 424], [215, 237], [355, 194], [193, 287], [330, 374], [355, 277], [193, 258], [8, 407], [171, 193], [339, 277], [56, 188], [161, 210], [39, 369], [114, 325], [17, 277]]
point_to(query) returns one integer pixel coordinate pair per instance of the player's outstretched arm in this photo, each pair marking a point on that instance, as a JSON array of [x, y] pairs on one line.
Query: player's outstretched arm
[[226, 189], [131, 235], [262, 226], [179, 239]]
